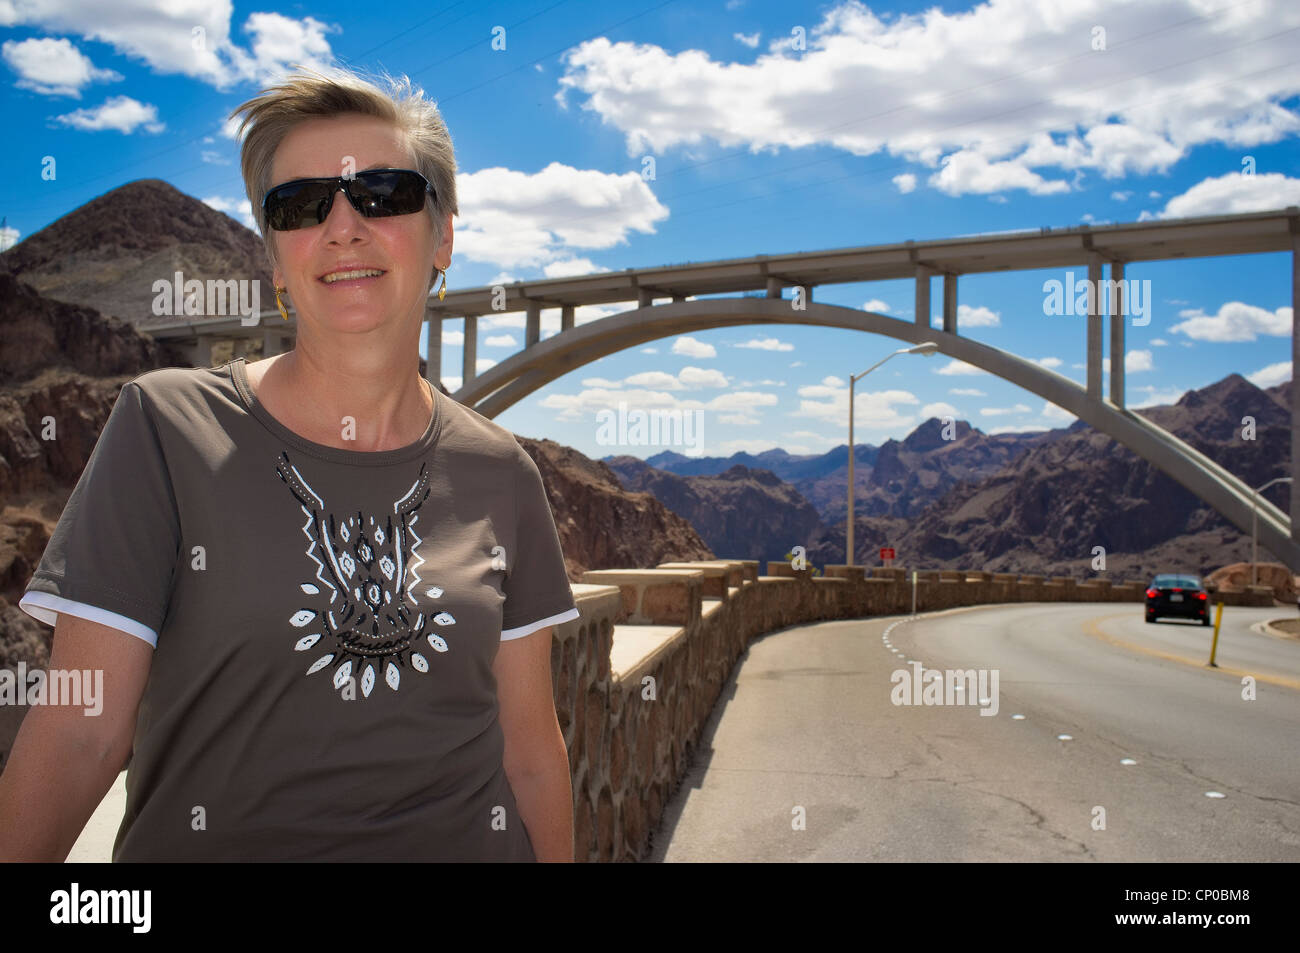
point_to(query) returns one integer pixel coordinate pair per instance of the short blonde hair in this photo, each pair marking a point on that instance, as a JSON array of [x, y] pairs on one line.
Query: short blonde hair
[[311, 93]]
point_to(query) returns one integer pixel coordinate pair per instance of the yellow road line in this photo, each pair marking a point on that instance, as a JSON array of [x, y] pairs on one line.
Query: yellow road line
[[1090, 626]]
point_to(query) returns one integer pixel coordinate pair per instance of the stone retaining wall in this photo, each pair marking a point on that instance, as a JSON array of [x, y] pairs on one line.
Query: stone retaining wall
[[630, 733]]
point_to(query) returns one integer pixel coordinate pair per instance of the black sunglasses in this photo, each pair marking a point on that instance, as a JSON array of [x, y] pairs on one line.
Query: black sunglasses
[[376, 193]]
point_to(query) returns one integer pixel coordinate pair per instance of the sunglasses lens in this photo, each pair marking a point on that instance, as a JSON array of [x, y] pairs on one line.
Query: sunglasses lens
[[297, 205], [375, 194], [381, 194]]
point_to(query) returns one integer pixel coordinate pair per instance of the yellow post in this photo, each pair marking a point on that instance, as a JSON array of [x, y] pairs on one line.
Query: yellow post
[[1214, 645]]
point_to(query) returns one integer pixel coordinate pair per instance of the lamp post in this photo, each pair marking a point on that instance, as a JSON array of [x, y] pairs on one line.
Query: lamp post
[[927, 348], [1254, 527]]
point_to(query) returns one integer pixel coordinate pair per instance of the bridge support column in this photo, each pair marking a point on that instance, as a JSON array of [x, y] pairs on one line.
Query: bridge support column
[[1094, 326], [774, 287], [644, 298], [433, 348], [922, 309], [1117, 307], [1295, 369], [469, 368], [533, 324], [949, 304], [566, 318]]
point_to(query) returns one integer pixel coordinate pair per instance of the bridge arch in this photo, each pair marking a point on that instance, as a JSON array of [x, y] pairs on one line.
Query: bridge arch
[[507, 383]]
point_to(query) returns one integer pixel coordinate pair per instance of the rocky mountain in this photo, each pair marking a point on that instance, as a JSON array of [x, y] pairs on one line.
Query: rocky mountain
[[1032, 502], [603, 526], [1047, 509], [742, 513], [898, 478], [108, 253], [908, 475]]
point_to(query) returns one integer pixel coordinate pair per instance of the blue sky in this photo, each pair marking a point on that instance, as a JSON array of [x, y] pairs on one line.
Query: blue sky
[[891, 122]]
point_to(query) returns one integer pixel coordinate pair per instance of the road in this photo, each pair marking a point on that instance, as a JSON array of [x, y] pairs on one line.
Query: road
[[1161, 749]]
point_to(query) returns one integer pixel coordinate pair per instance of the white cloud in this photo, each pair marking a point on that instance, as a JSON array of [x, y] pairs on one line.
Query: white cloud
[[1234, 193], [215, 158], [1135, 361], [119, 112], [969, 172], [589, 401], [987, 97], [1159, 342], [500, 340], [749, 39], [1056, 414], [873, 410], [1121, 196], [904, 182], [649, 350], [1003, 411], [453, 338], [697, 377], [518, 219], [1235, 321], [967, 392], [940, 409], [959, 367], [484, 364], [1049, 362], [658, 380], [814, 436], [188, 37], [690, 347], [570, 267], [981, 317], [1272, 375], [1015, 428], [766, 344], [241, 210], [8, 237], [875, 304], [53, 67], [1156, 396]]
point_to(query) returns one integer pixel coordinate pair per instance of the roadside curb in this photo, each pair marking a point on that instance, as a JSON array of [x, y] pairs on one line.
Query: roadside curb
[[1267, 628]]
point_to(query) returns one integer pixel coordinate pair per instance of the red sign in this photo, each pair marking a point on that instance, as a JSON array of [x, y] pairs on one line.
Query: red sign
[[886, 554]]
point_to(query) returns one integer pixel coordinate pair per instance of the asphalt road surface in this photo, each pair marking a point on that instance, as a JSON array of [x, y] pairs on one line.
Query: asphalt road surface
[[1129, 748]]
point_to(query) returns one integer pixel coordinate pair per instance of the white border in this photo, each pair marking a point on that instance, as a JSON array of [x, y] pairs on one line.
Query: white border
[[519, 631], [45, 607]]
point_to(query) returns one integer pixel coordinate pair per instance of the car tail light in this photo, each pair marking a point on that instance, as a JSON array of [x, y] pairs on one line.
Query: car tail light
[[1152, 593], [1201, 595], [1177, 590]]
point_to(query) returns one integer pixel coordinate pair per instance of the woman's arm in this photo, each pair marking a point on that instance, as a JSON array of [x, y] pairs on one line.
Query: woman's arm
[[536, 761], [64, 760]]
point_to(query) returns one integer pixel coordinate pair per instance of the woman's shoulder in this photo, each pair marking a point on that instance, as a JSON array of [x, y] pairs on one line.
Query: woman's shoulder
[[467, 431], [184, 397]]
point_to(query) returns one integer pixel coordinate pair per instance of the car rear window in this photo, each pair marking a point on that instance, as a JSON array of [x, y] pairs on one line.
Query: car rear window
[[1176, 582]]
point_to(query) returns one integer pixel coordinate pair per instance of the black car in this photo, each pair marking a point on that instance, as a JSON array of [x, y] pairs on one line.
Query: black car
[[1173, 594]]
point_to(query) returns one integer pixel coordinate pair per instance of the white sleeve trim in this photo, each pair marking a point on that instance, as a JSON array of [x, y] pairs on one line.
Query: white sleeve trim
[[45, 607], [519, 631]]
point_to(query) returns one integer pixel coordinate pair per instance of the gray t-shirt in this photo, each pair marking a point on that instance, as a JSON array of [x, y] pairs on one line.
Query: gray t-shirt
[[324, 622]]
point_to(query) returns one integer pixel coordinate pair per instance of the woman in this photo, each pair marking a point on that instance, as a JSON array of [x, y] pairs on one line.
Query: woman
[[320, 591]]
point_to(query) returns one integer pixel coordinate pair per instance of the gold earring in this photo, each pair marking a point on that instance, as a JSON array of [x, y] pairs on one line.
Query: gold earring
[[280, 304], [442, 292]]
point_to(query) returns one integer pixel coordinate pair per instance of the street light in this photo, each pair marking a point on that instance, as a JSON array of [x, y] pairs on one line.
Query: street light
[[1254, 530], [927, 348]]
